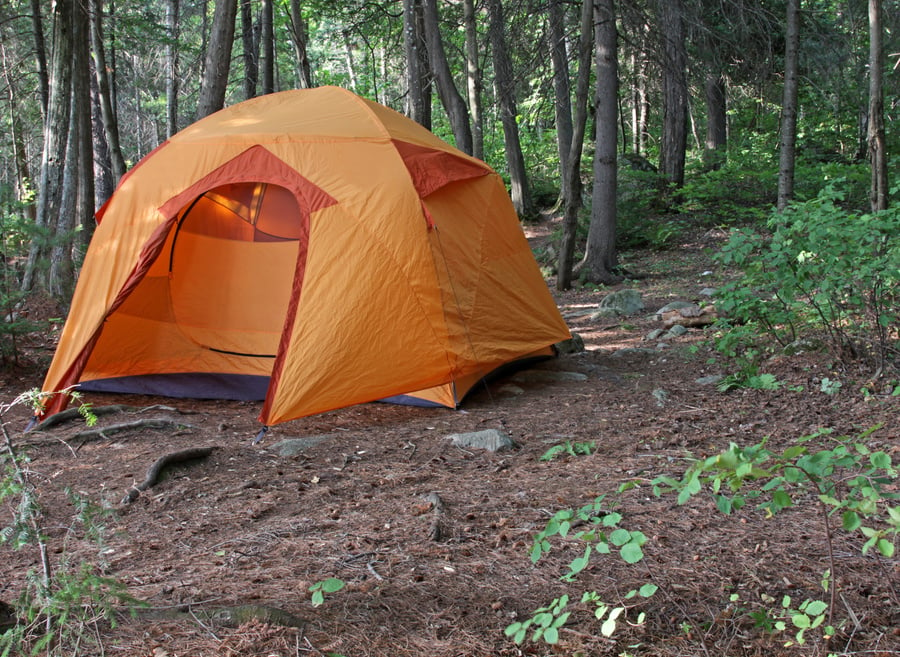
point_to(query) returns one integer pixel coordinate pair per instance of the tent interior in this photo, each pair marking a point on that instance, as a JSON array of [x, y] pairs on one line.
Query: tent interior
[[207, 318]]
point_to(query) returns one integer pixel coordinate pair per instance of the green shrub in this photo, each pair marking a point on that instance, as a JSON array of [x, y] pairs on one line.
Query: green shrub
[[823, 272]]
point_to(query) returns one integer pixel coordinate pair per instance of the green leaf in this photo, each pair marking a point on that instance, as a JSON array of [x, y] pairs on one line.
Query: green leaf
[[551, 636], [647, 590], [816, 607], [800, 620], [885, 547], [620, 537], [631, 553], [851, 521], [880, 460], [332, 585]]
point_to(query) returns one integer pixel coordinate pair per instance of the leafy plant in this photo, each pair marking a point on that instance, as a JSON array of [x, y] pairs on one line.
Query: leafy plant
[[578, 448], [845, 478], [602, 535], [62, 601], [823, 271], [319, 589]]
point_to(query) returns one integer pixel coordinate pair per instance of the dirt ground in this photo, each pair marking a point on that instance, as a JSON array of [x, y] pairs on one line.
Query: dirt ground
[[224, 549]]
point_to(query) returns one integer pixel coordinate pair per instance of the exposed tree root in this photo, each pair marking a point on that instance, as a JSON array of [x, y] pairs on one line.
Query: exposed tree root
[[155, 470]]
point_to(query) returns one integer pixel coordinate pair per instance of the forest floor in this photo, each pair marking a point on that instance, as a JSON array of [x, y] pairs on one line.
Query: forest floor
[[224, 549]]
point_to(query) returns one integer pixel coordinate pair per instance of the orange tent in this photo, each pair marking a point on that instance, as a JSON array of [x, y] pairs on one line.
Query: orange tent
[[309, 248]]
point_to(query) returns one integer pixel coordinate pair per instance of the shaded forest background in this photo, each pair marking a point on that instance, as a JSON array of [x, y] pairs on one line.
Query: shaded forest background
[[635, 111]]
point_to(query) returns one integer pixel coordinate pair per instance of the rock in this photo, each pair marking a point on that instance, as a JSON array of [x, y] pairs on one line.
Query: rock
[[492, 440], [710, 380], [623, 302], [661, 396], [655, 334], [547, 376], [691, 315], [675, 305], [510, 389], [573, 345], [708, 292], [676, 331], [802, 346], [294, 446]]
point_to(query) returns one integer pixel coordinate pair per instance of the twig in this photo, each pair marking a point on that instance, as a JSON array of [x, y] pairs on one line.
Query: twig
[[101, 433]]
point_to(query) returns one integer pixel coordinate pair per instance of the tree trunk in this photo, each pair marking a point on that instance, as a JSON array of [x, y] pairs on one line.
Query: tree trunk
[[250, 53], [300, 40], [506, 97], [414, 70], [716, 122], [107, 108], [562, 91], [674, 88], [789, 106], [600, 261], [77, 198], [103, 178], [218, 59], [172, 20], [40, 52], [351, 63], [573, 194], [451, 99], [473, 78], [53, 158], [267, 39], [876, 135], [20, 156]]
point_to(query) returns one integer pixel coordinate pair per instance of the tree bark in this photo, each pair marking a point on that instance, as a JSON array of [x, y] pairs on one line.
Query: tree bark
[[218, 59], [450, 97], [250, 53], [417, 102], [876, 131], [675, 92], [473, 78], [716, 122], [107, 107], [600, 260], [789, 106], [267, 39], [40, 52], [20, 156], [562, 91], [172, 30], [300, 40], [53, 159], [506, 97], [573, 194]]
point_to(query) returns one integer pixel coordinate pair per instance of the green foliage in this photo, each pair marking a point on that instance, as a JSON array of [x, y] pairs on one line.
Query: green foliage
[[823, 272], [842, 475], [60, 606], [14, 240], [741, 192], [640, 213], [602, 535], [580, 448], [319, 589]]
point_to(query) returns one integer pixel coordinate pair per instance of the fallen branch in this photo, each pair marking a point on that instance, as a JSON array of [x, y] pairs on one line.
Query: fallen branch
[[100, 433], [155, 470], [690, 316]]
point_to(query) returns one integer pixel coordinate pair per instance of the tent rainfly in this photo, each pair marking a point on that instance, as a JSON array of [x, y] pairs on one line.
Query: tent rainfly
[[311, 249]]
